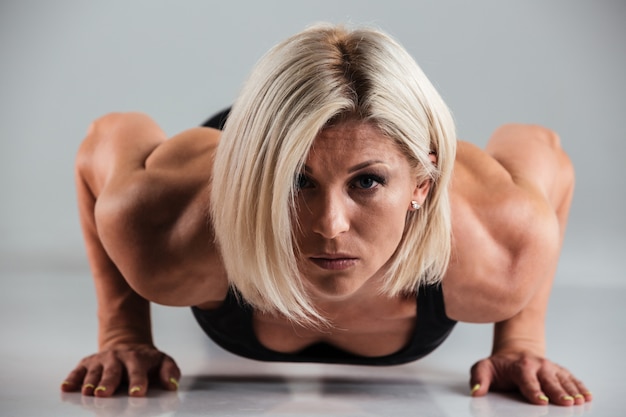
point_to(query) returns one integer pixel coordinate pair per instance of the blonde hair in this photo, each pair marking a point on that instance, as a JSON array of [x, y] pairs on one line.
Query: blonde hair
[[320, 75]]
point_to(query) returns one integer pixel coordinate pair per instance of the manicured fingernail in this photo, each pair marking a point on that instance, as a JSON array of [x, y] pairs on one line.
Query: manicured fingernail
[[567, 398], [579, 396], [100, 388], [92, 386], [134, 389], [174, 382], [543, 398], [474, 389]]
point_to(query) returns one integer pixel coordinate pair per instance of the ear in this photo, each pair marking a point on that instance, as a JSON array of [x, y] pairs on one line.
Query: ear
[[421, 190]]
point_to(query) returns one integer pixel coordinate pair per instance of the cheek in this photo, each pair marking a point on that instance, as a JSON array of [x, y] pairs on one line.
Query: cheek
[[384, 227]]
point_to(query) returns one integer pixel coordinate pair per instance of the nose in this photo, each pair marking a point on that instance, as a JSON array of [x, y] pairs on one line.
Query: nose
[[330, 216]]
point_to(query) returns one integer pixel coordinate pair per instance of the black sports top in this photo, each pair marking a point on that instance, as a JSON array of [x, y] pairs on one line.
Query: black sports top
[[230, 326]]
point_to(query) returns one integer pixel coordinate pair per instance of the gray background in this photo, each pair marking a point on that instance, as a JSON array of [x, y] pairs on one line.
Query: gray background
[[64, 63]]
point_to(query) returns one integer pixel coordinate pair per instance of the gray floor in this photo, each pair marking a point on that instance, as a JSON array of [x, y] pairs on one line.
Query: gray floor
[[48, 323]]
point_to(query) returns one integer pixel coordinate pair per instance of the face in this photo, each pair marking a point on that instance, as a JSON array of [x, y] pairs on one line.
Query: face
[[354, 195]]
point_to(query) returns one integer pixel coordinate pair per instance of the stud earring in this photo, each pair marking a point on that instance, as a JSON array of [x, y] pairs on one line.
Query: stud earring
[[415, 205]]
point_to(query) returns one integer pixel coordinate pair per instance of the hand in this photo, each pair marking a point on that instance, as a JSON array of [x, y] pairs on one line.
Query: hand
[[101, 374], [538, 379]]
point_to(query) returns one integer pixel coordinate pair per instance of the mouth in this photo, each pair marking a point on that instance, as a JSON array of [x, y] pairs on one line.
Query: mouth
[[338, 262]]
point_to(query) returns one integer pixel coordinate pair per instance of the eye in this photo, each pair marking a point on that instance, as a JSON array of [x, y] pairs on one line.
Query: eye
[[368, 181], [302, 182]]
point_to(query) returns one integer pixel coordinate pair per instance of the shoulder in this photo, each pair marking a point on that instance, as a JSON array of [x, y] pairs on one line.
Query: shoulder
[[185, 150], [165, 182], [504, 232]]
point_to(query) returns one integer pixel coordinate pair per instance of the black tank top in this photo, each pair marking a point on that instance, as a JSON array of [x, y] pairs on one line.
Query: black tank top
[[230, 326]]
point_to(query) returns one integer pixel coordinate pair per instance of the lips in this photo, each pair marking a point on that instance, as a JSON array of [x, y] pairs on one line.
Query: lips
[[334, 262]]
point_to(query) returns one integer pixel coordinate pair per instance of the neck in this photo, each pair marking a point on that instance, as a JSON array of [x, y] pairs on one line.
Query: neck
[[335, 307]]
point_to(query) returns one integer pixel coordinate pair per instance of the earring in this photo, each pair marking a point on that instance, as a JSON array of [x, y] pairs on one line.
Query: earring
[[415, 205]]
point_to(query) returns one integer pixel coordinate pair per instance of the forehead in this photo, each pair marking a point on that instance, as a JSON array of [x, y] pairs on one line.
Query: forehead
[[356, 139]]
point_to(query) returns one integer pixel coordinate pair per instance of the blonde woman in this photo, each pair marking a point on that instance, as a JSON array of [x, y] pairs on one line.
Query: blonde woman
[[335, 219]]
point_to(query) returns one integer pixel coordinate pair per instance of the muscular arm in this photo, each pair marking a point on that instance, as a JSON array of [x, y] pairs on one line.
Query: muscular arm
[[535, 160], [142, 202], [538, 167], [123, 315]]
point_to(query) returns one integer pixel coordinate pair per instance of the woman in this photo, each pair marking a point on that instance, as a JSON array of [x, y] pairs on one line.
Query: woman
[[336, 219]]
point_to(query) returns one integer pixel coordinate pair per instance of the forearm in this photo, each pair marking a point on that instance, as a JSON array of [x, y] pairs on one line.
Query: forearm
[[526, 330], [123, 315]]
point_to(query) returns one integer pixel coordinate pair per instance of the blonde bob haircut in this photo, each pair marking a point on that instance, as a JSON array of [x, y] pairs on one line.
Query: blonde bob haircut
[[320, 76]]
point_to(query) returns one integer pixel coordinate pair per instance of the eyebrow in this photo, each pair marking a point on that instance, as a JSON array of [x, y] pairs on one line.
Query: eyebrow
[[365, 165], [355, 167]]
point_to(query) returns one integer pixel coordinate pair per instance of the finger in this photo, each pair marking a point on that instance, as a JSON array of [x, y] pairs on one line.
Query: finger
[[169, 374], [579, 391], [528, 383], [92, 378], [74, 380], [582, 391], [554, 389], [481, 376], [110, 379], [137, 377], [569, 385]]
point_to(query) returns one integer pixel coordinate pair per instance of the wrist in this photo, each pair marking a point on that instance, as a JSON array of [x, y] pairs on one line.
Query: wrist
[[519, 346], [520, 335], [124, 337]]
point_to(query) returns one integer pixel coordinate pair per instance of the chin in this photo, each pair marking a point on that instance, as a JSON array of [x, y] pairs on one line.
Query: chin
[[334, 288]]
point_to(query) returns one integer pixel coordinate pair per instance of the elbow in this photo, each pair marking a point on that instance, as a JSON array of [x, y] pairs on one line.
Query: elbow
[[156, 288], [488, 303], [509, 304], [485, 303], [179, 288]]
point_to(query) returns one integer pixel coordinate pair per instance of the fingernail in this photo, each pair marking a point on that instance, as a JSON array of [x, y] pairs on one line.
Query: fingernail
[[134, 389], [92, 386], [543, 398], [474, 389], [100, 388], [174, 382], [567, 398], [579, 396]]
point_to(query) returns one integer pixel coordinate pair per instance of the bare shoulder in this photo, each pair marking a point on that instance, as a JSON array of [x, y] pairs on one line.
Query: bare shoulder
[[504, 233], [168, 181], [187, 149]]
